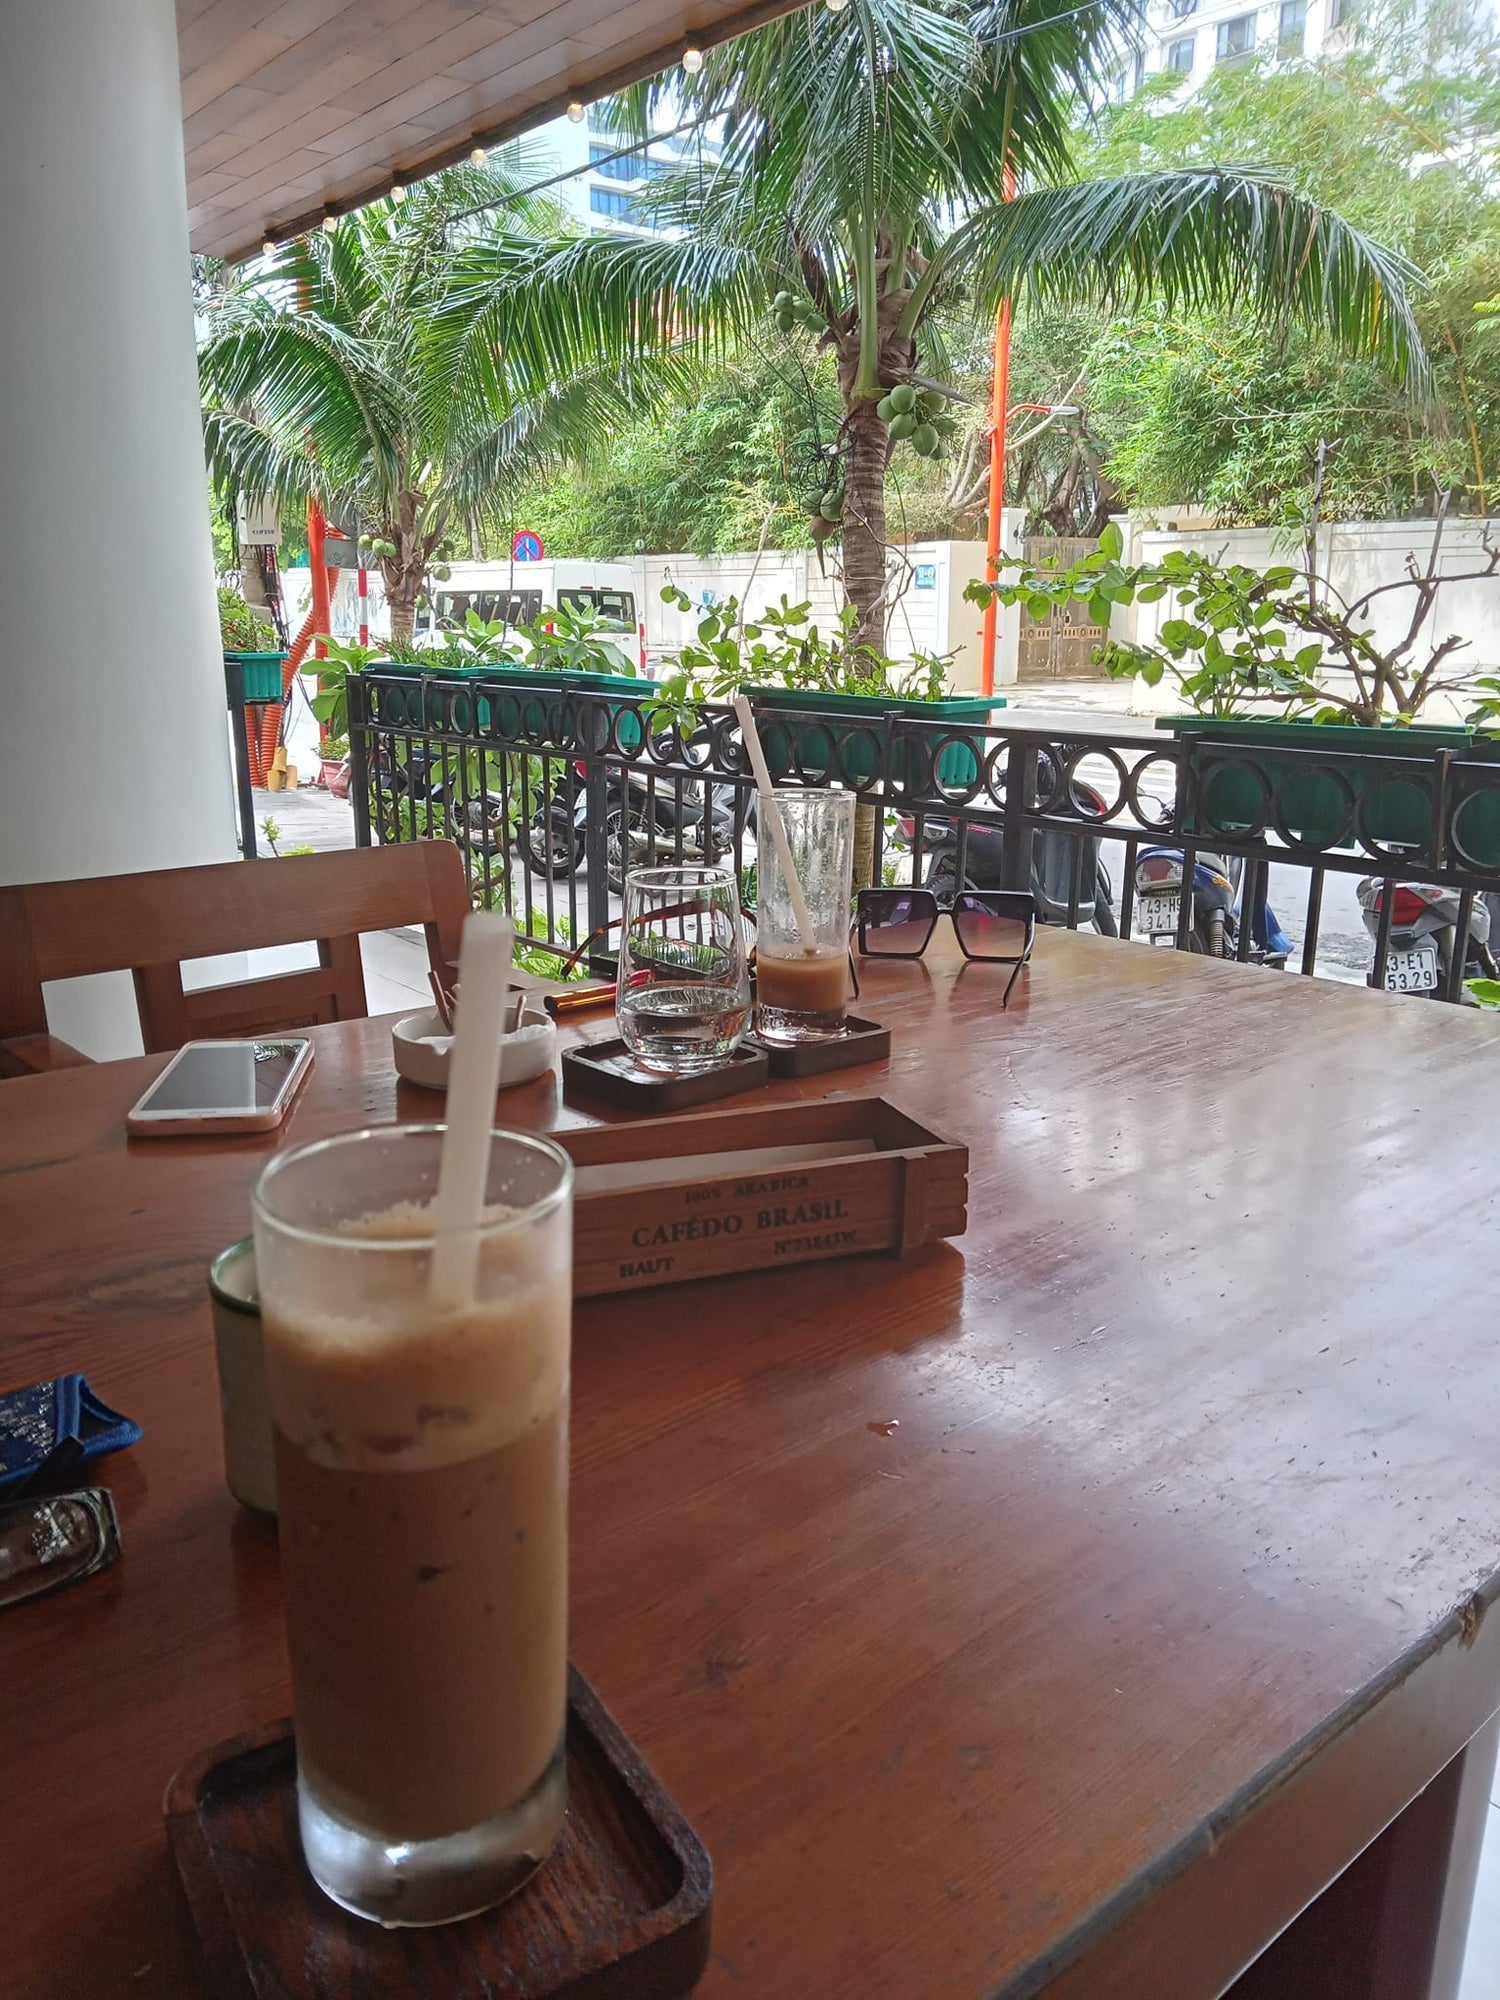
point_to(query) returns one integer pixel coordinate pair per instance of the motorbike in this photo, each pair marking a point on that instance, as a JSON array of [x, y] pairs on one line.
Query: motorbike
[[1424, 933], [1055, 860], [1214, 926], [424, 776], [637, 817]]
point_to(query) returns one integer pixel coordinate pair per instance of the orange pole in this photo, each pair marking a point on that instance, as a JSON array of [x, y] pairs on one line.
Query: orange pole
[[322, 583], [999, 397], [322, 595], [319, 617]]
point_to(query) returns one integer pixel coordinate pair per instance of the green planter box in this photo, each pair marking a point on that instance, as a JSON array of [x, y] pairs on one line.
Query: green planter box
[[1322, 806], [813, 751], [262, 673], [532, 706]]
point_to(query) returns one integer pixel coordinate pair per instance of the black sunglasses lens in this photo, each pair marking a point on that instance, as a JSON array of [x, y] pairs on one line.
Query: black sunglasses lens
[[990, 927], [894, 924]]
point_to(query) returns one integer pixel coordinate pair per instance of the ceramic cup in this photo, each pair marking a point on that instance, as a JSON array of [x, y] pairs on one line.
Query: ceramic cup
[[249, 1458]]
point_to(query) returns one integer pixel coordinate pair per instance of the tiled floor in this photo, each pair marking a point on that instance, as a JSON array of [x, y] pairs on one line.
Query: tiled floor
[[1481, 1980], [395, 965]]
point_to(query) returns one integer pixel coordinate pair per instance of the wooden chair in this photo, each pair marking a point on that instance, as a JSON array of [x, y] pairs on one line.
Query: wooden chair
[[147, 924]]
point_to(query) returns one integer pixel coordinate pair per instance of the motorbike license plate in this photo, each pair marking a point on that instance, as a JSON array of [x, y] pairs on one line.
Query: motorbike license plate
[[1159, 915], [1414, 971]]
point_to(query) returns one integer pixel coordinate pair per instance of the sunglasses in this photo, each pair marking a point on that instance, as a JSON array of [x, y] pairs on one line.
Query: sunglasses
[[994, 925]]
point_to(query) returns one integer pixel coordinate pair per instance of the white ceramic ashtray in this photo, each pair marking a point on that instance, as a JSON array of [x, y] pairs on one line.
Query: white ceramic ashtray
[[422, 1045]]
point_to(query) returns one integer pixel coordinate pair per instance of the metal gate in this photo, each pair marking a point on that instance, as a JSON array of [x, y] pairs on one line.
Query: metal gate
[[1059, 647]]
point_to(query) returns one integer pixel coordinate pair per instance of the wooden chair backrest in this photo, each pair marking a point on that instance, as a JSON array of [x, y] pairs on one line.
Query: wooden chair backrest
[[147, 924]]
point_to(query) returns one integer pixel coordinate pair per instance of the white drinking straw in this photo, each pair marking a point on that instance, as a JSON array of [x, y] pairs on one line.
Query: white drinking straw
[[770, 813], [473, 1078]]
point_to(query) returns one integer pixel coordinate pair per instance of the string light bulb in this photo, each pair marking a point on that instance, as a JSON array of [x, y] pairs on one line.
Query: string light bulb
[[268, 248], [837, 6], [398, 191], [330, 221], [479, 156], [692, 61], [575, 112]]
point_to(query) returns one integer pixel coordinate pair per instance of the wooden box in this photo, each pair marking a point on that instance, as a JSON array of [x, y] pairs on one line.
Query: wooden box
[[663, 1200]]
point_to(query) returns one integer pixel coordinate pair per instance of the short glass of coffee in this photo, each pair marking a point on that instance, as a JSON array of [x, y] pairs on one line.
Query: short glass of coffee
[[422, 1472]]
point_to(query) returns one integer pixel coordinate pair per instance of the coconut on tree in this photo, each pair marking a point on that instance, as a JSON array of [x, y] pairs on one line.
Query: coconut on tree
[[884, 162]]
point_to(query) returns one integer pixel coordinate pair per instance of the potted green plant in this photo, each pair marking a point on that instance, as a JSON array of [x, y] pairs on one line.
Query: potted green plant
[[570, 645], [1276, 660], [248, 636], [791, 667]]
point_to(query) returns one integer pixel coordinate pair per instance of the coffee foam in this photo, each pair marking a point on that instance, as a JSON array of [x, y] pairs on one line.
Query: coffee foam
[[380, 1382]]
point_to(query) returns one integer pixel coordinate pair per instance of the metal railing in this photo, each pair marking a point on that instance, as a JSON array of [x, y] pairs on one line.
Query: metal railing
[[551, 791]]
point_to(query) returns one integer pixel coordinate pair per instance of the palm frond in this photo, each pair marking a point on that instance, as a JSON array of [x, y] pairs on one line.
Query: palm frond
[[304, 375], [515, 319], [244, 456], [567, 424], [1220, 239]]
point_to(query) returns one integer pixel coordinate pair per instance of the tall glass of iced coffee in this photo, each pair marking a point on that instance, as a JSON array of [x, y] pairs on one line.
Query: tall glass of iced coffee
[[802, 980], [422, 1471]]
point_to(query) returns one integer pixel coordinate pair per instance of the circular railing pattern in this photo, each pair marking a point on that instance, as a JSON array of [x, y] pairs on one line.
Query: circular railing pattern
[[1427, 814]]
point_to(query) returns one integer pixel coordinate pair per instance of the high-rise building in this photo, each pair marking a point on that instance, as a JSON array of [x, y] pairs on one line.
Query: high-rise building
[[1185, 39], [605, 180]]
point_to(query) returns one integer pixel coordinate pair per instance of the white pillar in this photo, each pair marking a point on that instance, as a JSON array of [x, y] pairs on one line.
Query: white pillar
[[113, 746]]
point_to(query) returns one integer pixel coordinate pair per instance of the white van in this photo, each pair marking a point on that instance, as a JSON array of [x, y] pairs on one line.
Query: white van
[[515, 593]]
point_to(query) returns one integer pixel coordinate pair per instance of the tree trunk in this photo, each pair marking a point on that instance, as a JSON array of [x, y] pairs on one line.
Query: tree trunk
[[401, 600], [405, 572], [864, 844], [864, 524]]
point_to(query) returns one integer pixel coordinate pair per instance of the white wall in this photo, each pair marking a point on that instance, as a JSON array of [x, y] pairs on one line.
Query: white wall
[[759, 582], [928, 614], [1355, 557], [113, 742], [296, 594]]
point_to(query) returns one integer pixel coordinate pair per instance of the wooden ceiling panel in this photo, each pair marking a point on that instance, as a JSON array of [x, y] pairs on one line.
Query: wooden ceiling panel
[[295, 107]]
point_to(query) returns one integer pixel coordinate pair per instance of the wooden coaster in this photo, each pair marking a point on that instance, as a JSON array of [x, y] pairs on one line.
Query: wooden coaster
[[620, 1911], [861, 1042], [609, 1071]]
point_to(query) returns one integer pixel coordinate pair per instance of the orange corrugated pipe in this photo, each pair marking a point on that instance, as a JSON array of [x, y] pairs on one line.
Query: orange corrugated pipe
[[319, 618]]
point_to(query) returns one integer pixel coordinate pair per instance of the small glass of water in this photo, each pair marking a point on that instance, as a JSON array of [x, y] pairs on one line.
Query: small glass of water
[[683, 997]]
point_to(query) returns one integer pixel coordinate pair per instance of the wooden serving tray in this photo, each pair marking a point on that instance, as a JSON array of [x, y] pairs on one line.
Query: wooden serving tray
[[861, 1042], [620, 1911], [662, 1200], [609, 1071]]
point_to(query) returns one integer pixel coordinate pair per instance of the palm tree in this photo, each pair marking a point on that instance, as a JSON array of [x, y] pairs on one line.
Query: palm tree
[[422, 354], [869, 160]]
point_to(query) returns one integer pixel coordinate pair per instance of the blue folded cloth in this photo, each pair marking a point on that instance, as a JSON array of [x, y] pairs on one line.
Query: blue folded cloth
[[51, 1429]]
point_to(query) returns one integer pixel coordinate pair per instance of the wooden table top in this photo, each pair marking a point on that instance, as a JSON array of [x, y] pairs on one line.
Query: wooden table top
[[1031, 1610]]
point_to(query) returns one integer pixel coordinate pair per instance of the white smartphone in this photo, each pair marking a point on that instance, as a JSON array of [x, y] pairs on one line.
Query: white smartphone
[[223, 1087]]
